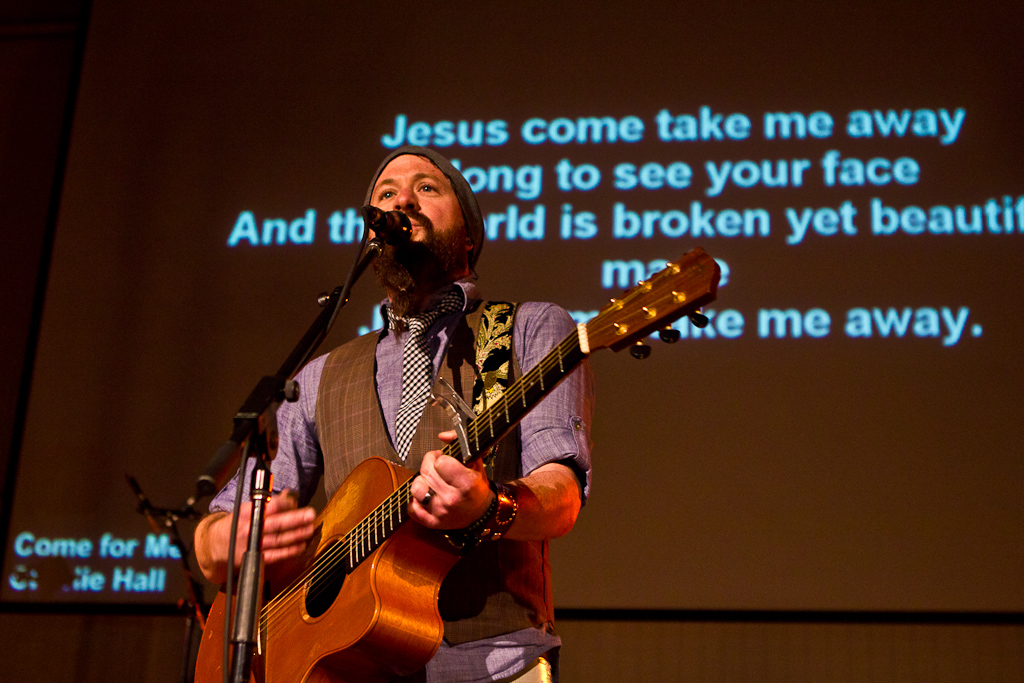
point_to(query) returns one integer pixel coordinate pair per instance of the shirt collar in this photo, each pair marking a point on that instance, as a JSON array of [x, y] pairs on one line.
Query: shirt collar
[[466, 285]]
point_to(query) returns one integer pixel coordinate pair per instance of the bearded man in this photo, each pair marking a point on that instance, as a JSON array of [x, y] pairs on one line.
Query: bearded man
[[369, 397]]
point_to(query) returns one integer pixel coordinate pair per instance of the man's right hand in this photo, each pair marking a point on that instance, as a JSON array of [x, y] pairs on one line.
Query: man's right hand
[[286, 533]]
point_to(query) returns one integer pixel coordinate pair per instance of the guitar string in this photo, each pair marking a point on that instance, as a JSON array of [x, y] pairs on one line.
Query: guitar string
[[517, 390]]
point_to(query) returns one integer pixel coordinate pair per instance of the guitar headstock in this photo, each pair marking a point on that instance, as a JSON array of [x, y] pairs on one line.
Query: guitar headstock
[[678, 290]]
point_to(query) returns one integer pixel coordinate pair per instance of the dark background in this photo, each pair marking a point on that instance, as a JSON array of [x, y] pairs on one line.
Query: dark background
[[748, 474]]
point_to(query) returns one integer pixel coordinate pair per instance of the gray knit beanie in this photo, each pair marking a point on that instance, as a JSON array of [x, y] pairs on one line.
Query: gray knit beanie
[[467, 200]]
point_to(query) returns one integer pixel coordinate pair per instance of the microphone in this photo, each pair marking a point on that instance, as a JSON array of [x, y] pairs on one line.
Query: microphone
[[391, 226]]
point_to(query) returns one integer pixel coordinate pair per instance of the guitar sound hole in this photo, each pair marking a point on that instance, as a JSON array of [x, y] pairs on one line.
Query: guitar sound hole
[[325, 584]]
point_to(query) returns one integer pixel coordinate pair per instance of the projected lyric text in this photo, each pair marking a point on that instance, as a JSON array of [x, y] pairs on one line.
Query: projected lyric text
[[716, 196], [69, 568]]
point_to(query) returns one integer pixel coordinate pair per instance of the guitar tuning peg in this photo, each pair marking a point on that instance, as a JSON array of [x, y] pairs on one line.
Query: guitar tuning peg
[[698, 319], [640, 350], [669, 335]]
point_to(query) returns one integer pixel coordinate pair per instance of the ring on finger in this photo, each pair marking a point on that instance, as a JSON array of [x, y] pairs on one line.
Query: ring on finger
[[427, 497]]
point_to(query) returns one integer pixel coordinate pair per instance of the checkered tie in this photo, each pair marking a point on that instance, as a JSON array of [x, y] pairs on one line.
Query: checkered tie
[[417, 369]]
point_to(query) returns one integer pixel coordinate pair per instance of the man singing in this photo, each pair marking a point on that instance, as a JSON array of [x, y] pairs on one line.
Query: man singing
[[370, 397]]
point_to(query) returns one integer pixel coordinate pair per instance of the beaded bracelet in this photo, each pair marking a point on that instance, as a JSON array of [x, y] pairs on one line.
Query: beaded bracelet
[[499, 515], [495, 521], [488, 513]]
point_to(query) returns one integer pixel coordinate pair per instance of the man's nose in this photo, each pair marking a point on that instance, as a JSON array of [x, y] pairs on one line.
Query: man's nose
[[405, 198]]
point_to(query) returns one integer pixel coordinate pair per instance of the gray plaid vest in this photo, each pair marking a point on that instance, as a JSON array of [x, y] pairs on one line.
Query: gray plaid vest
[[497, 587]]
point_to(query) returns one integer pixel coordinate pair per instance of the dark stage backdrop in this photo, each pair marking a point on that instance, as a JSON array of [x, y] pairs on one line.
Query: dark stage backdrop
[[844, 435]]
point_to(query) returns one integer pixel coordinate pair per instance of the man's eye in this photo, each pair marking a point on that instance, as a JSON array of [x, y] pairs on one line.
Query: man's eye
[[427, 187], [386, 194]]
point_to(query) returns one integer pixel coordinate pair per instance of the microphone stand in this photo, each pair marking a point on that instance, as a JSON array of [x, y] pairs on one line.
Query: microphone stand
[[166, 520], [255, 434]]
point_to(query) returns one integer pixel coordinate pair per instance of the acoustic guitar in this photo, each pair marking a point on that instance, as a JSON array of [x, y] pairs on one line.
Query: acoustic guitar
[[365, 607]]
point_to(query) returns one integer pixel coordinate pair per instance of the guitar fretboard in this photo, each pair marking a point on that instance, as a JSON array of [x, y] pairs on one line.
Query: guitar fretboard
[[375, 528], [521, 396]]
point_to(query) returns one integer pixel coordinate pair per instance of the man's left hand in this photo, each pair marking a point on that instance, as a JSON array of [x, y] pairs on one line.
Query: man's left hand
[[448, 494]]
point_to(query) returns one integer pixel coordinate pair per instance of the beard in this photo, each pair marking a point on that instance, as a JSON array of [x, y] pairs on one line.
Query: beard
[[415, 269]]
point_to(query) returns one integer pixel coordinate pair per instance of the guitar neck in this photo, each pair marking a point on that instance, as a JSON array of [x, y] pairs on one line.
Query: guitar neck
[[518, 399]]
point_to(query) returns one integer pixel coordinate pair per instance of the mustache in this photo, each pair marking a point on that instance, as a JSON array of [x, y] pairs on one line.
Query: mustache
[[419, 219]]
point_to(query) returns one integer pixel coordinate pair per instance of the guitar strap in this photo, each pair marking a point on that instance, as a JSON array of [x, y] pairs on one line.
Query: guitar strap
[[494, 357]]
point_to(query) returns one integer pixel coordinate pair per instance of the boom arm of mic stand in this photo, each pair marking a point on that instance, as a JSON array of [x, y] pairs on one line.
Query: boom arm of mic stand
[[272, 388]]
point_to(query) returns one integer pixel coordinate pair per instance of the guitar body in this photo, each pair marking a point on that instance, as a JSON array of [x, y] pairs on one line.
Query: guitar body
[[382, 623]]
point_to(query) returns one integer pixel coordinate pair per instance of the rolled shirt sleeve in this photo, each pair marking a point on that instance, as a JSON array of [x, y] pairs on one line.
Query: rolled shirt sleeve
[[558, 428], [299, 461]]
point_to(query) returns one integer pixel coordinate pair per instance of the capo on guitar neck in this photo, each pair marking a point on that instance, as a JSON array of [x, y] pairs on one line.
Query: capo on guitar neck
[[457, 410]]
